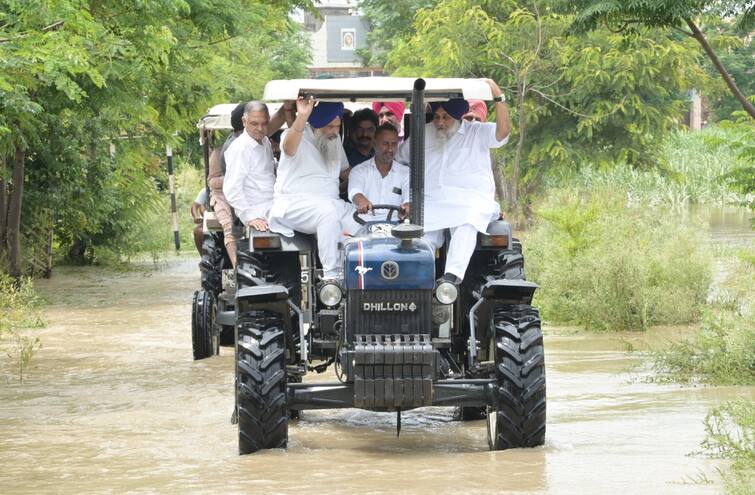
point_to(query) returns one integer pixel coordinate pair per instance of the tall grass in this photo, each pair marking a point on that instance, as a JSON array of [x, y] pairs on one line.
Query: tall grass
[[151, 233], [730, 434], [604, 265], [156, 231], [18, 311], [691, 170], [722, 352]]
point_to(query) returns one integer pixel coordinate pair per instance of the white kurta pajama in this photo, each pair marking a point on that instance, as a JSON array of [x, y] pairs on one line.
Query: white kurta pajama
[[393, 189], [306, 200], [249, 177], [459, 188]]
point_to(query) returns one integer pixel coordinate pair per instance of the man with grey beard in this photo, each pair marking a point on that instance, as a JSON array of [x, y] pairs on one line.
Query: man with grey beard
[[459, 186], [306, 189]]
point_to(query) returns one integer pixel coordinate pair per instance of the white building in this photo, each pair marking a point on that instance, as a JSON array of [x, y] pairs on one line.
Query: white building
[[335, 39]]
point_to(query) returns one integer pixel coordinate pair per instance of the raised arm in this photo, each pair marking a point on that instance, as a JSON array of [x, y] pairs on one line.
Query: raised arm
[[285, 114], [293, 137], [502, 122]]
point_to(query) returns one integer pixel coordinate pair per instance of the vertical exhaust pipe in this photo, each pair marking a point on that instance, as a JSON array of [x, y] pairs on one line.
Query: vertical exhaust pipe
[[417, 153]]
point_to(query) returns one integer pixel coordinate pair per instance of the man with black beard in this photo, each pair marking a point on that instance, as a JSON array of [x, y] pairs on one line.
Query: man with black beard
[[459, 186], [306, 189]]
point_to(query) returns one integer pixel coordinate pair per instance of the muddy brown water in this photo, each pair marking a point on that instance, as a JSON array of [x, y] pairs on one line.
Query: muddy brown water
[[114, 403]]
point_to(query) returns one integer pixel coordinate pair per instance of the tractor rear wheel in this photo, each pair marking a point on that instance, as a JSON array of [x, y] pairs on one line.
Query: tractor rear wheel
[[204, 342], [211, 264], [518, 420]]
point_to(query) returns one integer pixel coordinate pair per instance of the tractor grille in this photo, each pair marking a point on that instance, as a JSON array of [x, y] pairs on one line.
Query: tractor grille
[[388, 312]]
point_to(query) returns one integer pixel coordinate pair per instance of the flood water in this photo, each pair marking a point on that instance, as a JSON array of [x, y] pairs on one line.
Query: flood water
[[114, 403]]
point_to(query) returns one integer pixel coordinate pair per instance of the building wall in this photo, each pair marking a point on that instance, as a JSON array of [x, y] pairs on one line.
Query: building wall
[[335, 40]]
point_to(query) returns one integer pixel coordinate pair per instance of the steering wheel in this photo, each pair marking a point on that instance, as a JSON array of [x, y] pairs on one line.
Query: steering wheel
[[390, 208]]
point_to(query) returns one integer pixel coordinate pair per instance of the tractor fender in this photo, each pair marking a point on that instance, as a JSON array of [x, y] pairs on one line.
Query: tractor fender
[[506, 291], [258, 294]]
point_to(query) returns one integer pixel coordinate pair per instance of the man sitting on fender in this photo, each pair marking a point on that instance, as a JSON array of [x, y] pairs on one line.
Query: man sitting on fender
[[459, 187]]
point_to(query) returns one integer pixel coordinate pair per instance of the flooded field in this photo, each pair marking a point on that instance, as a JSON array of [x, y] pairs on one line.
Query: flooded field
[[114, 403]]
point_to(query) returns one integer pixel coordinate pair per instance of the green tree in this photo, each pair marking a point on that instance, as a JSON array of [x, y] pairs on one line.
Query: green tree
[[675, 14], [596, 98], [76, 76]]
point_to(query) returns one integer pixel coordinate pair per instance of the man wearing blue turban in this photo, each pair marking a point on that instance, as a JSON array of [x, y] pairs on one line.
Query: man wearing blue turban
[[306, 188], [459, 186]]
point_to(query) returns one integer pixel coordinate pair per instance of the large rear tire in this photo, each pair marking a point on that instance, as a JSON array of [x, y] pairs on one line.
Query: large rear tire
[[518, 420], [204, 342], [485, 266], [261, 382]]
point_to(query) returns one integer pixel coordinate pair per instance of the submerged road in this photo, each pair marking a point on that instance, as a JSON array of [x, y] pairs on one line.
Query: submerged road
[[114, 403]]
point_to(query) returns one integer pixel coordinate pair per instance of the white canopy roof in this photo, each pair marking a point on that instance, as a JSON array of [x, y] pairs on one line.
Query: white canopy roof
[[375, 89], [219, 116]]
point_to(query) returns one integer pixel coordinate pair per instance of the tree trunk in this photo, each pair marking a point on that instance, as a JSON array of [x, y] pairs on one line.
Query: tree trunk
[[742, 99], [14, 214], [522, 128], [3, 211], [498, 180]]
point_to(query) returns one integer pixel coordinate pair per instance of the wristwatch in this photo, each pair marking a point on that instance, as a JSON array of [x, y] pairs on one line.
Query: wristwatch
[[498, 99]]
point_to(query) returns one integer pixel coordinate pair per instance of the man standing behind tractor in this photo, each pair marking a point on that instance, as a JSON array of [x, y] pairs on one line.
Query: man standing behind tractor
[[306, 190], [459, 186], [380, 180]]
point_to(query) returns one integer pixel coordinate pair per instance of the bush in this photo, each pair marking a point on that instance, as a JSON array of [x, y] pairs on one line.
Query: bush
[[723, 350], [18, 303], [148, 228], [155, 232], [604, 265], [730, 433]]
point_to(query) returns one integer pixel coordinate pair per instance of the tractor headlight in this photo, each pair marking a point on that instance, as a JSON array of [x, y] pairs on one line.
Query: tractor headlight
[[330, 294], [446, 293]]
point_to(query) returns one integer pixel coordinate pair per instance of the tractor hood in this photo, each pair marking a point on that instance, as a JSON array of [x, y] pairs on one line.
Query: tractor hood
[[380, 263]]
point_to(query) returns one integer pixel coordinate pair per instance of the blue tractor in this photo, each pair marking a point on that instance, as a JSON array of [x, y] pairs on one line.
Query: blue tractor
[[398, 336]]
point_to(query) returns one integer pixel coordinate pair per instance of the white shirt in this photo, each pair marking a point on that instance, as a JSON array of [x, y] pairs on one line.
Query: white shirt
[[249, 177], [459, 185], [393, 189], [306, 171], [201, 197]]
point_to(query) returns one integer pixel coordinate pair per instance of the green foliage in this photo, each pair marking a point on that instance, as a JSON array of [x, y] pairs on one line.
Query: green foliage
[[76, 76], [737, 52], [18, 311], [730, 433], [742, 178], [658, 13], [600, 97], [723, 350], [694, 167], [681, 15], [605, 265]]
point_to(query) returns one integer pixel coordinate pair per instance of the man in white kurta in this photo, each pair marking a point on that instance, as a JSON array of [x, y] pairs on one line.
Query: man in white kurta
[[459, 186], [250, 169], [306, 189], [381, 179]]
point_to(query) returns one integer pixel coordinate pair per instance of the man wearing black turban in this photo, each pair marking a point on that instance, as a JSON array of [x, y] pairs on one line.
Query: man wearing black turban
[[459, 187]]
